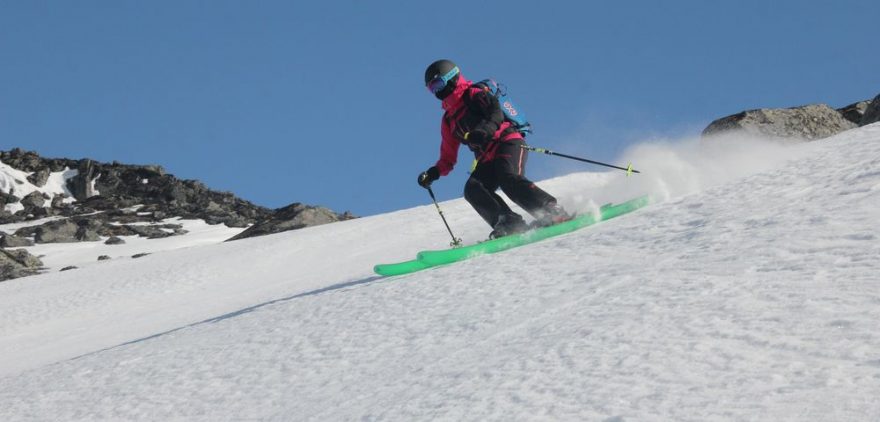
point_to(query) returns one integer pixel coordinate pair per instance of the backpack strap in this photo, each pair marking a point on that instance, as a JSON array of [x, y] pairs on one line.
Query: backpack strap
[[484, 86]]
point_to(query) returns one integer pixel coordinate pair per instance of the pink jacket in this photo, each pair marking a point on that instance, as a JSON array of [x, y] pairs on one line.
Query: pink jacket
[[480, 111]]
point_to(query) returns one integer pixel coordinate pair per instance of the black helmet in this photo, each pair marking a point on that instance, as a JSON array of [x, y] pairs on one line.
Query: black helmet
[[440, 78]]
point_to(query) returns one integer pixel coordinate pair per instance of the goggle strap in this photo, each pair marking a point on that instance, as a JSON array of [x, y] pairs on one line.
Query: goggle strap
[[451, 74], [446, 77]]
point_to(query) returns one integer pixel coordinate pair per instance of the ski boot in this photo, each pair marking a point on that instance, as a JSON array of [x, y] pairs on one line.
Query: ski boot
[[550, 215], [508, 224]]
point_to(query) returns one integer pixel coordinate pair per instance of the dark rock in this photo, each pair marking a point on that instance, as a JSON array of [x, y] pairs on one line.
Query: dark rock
[[33, 200], [104, 203], [18, 263], [158, 231], [27, 161], [31, 213], [91, 228], [103, 258], [809, 122], [58, 201], [116, 230], [87, 230], [37, 213], [12, 241], [114, 224], [229, 220], [7, 217], [62, 231], [7, 198], [68, 268], [291, 217], [39, 177], [82, 186], [872, 113], [114, 241], [854, 111], [139, 255]]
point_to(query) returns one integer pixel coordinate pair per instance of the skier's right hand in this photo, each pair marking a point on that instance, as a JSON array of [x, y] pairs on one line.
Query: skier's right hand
[[428, 176]]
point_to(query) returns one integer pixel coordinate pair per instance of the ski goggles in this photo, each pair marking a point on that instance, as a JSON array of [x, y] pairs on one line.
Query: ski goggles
[[439, 82]]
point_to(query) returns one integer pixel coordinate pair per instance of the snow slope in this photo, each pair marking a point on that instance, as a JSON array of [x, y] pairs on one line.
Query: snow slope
[[750, 293]]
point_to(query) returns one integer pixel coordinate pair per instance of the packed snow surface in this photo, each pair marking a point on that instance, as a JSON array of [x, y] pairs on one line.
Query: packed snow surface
[[748, 291]]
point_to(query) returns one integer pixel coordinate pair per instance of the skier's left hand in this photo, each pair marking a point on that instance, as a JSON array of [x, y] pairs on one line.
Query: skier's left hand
[[476, 140]]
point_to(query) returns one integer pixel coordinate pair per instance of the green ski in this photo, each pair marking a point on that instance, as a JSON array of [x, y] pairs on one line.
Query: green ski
[[428, 259]]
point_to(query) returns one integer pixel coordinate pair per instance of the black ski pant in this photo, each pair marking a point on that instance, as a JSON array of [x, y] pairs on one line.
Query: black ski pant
[[505, 171]]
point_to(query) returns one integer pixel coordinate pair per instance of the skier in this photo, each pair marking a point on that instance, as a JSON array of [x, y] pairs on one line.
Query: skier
[[473, 117]]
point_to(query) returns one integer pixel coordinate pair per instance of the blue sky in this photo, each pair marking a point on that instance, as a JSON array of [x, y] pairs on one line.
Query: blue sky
[[323, 102]]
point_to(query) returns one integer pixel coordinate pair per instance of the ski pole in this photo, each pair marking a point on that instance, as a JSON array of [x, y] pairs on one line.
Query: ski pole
[[456, 242], [629, 168]]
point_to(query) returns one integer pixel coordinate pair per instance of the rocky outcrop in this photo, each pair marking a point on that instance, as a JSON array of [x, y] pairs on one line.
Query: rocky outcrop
[[804, 123], [109, 187], [292, 217], [854, 111], [872, 112], [113, 200], [18, 263], [29, 161], [93, 228], [112, 186]]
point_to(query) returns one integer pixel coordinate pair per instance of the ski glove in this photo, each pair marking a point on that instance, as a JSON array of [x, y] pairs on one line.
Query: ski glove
[[429, 176]]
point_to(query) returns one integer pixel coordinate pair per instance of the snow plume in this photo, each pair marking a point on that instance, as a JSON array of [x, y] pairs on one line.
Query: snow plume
[[673, 168]]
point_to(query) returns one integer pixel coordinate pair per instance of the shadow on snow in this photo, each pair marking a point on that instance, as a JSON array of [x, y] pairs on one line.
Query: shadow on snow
[[244, 311]]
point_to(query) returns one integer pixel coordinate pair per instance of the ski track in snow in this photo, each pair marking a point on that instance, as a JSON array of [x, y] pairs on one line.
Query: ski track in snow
[[754, 299]]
